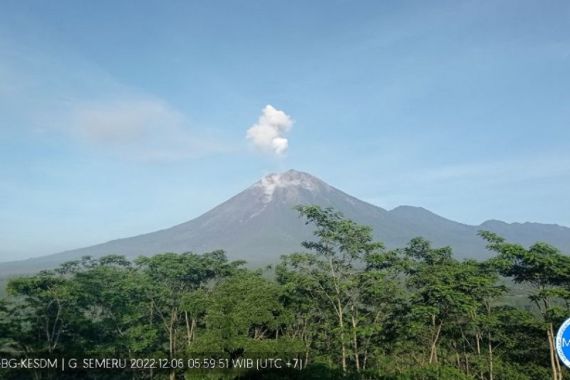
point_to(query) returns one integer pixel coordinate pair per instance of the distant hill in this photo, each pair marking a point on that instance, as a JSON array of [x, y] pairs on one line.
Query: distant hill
[[259, 224]]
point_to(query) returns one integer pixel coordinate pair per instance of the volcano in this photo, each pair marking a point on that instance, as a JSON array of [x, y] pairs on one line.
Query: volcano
[[259, 224]]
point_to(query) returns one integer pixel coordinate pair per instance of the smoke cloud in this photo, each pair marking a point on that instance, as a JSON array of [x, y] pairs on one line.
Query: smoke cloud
[[267, 134]]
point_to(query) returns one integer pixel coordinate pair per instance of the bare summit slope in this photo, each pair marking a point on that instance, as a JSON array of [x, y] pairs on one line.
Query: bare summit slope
[[259, 224]]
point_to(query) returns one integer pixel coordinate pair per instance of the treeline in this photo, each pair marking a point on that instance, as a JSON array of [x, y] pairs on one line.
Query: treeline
[[346, 307]]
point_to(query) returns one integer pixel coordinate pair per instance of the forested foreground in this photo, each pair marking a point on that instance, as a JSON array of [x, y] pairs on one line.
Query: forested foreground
[[345, 307]]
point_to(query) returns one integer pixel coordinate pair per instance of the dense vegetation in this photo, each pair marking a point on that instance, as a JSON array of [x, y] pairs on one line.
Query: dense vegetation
[[347, 307]]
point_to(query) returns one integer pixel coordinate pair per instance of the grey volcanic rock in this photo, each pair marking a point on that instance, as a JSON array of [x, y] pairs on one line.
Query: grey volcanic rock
[[259, 224]]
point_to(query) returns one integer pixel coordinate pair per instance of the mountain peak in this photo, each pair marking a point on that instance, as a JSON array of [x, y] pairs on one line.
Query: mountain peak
[[289, 180]]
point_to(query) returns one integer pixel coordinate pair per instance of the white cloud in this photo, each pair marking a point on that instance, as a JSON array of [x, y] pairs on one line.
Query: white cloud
[[123, 122], [268, 133], [58, 94], [142, 128]]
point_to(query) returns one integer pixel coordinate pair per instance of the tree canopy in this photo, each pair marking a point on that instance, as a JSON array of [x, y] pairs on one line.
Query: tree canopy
[[344, 306]]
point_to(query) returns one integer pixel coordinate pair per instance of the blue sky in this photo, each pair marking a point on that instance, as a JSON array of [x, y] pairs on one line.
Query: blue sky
[[120, 117]]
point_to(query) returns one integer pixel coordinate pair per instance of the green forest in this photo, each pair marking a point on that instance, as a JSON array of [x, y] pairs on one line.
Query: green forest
[[343, 307]]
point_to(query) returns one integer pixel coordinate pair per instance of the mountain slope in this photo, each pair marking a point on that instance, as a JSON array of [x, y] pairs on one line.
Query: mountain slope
[[259, 224]]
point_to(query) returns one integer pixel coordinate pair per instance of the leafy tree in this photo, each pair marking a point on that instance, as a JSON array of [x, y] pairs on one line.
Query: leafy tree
[[438, 294], [449, 301], [245, 315], [547, 271], [174, 286], [111, 303], [332, 275], [46, 308]]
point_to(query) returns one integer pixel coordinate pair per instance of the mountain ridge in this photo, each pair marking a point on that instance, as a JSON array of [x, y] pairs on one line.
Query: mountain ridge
[[259, 224]]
